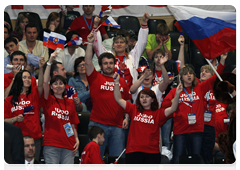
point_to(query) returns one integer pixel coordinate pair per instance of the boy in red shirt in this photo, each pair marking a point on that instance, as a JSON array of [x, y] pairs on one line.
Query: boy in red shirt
[[91, 153]]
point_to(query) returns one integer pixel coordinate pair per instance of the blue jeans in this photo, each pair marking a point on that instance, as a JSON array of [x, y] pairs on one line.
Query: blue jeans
[[114, 138], [191, 141], [166, 133], [208, 143]]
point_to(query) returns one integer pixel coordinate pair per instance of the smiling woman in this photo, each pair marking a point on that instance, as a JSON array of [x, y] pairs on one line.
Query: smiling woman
[[60, 117], [21, 107]]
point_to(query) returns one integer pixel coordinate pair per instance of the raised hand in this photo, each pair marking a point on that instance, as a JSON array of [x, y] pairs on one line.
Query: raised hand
[[181, 40], [146, 17], [70, 92], [179, 88], [96, 21], [41, 62], [116, 77], [90, 37]]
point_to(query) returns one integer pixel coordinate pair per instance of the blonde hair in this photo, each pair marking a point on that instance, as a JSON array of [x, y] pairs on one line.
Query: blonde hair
[[122, 38], [207, 67]]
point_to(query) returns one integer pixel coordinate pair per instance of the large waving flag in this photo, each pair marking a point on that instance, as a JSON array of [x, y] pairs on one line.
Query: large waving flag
[[75, 41], [111, 22], [213, 32], [56, 40]]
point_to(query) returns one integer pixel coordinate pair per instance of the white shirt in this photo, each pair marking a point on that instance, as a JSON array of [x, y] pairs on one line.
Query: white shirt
[[31, 162], [67, 60], [156, 91]]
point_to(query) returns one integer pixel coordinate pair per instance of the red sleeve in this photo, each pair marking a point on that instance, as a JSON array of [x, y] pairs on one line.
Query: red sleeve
[[163, 117], [208, 84], [130, 108], [95, 155], [92, 77], [74, 116], [7, 107], [7, 79], [34, 84], [102, 29]]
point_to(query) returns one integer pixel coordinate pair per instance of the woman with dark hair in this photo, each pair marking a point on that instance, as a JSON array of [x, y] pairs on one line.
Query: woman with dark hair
[[21, 107], [60, 137], [19, 31], [80, 84], [188, 119], [147, 118], [52, 24], [69, 54]]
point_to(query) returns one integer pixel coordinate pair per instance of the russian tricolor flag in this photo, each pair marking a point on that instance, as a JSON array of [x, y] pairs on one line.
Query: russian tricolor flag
[[105, 8], [56, 40], [75, 41], [111, 22], [213, 32], [45, 38]]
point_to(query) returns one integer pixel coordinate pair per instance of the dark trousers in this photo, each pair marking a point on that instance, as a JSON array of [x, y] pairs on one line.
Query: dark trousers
[[190, 141], [208, 143], [143, 158]]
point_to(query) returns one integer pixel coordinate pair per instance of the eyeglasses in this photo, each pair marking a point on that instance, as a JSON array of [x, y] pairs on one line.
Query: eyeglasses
[[81, 65]]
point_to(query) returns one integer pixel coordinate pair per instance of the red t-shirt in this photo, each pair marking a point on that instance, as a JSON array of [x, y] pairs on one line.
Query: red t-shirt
[[181, 116], [91, 154], [81, 27], [58, 114], [105, 109], [8, 79], [144, 132], [212, 107], [221, 110], [123, 67], [31, 122], [220, 126]]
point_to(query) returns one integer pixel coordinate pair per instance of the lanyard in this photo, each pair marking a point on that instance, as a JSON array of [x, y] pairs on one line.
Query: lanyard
[[60, 105], [191, 99], [157, 76], [124, 59], [208, 99], [143, 87], [89, 27]]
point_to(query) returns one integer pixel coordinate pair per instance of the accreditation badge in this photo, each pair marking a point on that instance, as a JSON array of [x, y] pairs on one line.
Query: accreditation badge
[[68, 129], [207, 115], [192, 118]]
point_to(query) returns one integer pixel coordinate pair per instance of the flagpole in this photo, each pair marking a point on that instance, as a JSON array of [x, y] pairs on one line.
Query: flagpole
[[220, 78], [98, 27]]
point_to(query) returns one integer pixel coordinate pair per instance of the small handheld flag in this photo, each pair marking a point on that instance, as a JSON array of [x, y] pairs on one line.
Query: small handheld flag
[[105, 8], [116, 161], [45, 38], [75, 41], [111, 22], [141, 69], [56, 41]]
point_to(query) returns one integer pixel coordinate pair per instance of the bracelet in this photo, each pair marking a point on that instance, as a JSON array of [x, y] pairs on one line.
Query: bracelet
[[49, 64], [116, 83], [90, 43]]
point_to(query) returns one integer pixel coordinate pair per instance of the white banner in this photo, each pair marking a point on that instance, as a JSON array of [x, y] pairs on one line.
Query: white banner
[[118, 10]]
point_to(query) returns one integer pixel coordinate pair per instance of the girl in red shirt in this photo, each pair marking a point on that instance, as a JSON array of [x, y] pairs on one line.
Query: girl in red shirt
[[147, 118]]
